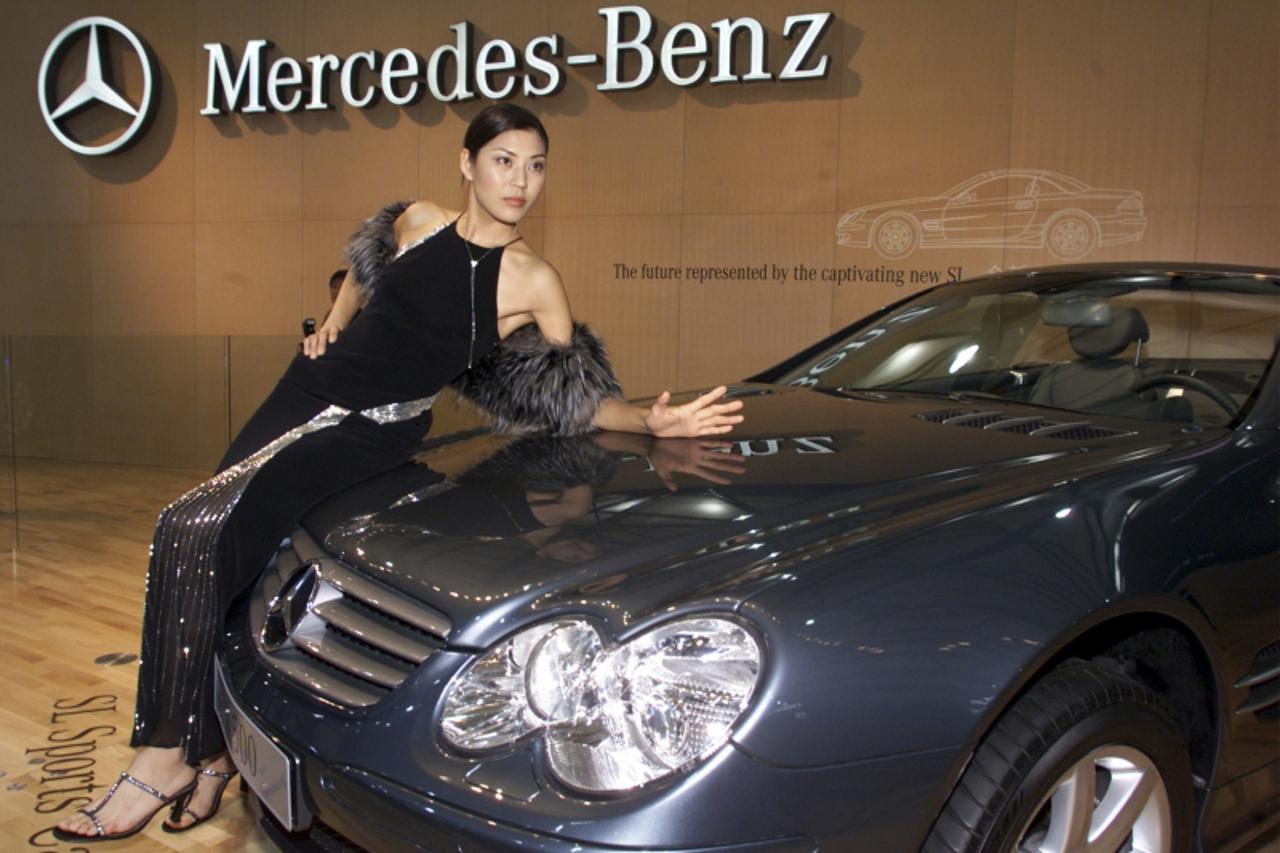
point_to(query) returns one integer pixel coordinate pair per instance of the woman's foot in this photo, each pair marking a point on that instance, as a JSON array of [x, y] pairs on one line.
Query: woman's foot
[[131, 806], [210, 783]]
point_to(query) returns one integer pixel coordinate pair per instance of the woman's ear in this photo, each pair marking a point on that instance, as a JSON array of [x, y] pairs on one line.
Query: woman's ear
[[464, 163]]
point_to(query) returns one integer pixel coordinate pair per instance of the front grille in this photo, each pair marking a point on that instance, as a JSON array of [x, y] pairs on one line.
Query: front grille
[[336, 632], [1036, 427]]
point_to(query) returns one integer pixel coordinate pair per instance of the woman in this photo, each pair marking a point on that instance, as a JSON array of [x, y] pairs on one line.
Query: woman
[[446, 297]]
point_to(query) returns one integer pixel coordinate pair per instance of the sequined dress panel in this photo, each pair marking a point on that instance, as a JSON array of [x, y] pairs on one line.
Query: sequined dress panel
[[360, 409]]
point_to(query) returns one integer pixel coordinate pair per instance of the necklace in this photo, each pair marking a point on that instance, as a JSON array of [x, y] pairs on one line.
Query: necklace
[[475, 262]]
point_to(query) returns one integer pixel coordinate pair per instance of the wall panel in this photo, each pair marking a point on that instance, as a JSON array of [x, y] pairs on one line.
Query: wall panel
[[142, 400], [142, 281], [106, 398], [8, 503], [212, 430], [1241, 163], [1113, 94], [46, 289], [248, 277], [1240, 235]]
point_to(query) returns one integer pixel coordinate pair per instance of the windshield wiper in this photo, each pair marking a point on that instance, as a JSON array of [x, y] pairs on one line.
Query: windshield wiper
[[851, 391], [981, 395]]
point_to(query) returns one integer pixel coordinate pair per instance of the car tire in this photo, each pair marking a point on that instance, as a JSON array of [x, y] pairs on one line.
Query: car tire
[[1071, 235], [895, 236], [1088, 730]]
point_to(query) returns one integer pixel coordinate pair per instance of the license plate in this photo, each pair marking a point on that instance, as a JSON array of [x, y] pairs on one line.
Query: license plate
[[267, 769]]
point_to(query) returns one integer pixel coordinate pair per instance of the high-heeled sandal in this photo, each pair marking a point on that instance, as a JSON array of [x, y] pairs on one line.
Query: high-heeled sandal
[[180, 808], [178, 799]]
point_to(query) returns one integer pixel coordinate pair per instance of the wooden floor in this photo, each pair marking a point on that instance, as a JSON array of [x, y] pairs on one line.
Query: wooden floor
[[71, 592]]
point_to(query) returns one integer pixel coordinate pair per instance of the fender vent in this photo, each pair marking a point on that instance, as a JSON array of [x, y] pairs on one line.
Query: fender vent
[[941, 417], [1036, 427], [1263, 683]]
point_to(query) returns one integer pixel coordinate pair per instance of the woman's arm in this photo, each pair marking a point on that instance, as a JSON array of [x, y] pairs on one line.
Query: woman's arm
[[416, 218], [700, 416], [344, 308]]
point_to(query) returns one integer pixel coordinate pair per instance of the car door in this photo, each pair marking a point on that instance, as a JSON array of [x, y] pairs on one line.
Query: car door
[[991, 211]]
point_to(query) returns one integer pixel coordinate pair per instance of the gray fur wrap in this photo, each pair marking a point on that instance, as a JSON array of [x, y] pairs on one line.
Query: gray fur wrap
[[373, 246], [526, 383], [531, 385]]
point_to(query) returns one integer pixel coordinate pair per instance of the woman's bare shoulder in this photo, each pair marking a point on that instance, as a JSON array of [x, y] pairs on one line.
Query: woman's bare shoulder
[[423, 215], [529, 263], [535, 274]]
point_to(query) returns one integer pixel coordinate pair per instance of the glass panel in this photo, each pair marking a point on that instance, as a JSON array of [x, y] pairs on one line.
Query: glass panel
[[8, 481]]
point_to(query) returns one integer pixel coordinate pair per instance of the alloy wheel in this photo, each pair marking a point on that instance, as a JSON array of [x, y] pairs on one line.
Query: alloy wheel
[[1113, 799]]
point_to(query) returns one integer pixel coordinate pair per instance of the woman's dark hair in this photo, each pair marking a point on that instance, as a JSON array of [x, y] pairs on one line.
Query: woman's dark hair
[[499, 118]]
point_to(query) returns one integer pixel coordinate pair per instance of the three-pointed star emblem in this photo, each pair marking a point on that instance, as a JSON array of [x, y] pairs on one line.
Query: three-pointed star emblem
[[95, 87]]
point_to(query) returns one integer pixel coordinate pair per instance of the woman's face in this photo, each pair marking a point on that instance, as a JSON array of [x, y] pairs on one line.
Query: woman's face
[[507, 174]]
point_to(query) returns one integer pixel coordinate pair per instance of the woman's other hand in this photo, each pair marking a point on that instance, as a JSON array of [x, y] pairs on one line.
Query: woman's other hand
[[698, 417], [313, 346]]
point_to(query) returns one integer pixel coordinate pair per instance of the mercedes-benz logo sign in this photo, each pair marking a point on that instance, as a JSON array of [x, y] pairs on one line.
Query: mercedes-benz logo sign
[[95, 86], [289, 606]]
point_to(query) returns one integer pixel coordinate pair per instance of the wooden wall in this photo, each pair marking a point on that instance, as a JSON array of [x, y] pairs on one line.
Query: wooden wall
[[150, 298]]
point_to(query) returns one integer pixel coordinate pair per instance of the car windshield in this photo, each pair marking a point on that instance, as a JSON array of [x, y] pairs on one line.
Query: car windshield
[[1185, 349]]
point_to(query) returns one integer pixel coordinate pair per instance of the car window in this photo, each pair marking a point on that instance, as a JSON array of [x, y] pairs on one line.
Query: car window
[[1005, 186]]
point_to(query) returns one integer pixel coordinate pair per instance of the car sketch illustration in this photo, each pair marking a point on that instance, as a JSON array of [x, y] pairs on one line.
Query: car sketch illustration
[[1022, 208]]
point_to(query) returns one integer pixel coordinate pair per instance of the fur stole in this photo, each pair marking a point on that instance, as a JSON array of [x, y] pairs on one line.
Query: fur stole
[[531, 385], [373, 246], [526, 383]]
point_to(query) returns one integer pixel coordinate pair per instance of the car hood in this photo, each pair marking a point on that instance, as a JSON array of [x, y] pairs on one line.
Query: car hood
[[494, 531], [921, 203]]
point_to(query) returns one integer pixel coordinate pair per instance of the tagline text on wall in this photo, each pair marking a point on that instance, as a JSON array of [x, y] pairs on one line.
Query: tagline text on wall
[[784, 273]]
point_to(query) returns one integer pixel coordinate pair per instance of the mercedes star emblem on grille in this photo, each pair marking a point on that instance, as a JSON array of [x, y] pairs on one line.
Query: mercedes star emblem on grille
[[290, 605]]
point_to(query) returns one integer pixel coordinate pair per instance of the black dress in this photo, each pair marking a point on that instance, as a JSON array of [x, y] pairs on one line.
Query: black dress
[[359, 409]]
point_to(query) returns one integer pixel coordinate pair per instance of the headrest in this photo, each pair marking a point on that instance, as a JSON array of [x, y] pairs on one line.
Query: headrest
[[1127, 325]]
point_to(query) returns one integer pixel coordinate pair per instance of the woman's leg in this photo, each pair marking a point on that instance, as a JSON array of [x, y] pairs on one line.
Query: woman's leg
[[177, 621], [188, 579], [297, 478], [211, 545]]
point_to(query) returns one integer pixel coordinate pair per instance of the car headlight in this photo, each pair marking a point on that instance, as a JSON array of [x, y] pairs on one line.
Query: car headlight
[[612, 718], [1132, 204]]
